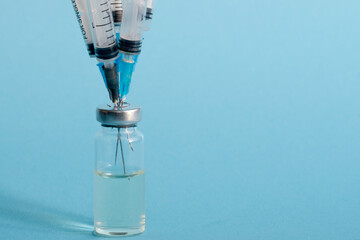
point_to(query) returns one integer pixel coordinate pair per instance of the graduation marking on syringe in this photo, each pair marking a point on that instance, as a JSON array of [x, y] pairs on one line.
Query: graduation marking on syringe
[[102, 25]]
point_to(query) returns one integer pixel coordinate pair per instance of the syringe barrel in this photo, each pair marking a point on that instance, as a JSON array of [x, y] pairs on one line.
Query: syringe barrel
[[103, 29], [132, 26], [149, 14], [82, 16]]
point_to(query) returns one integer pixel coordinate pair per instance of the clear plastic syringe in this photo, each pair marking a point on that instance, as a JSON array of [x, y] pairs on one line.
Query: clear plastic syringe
[[149, 13], [116, 9], [130, 41], [82, 16], [106, 49]]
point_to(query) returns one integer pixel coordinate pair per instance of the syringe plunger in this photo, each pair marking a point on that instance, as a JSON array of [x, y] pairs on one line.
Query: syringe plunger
[[116, 9], [103, 29], [132, 26], [149, 14]]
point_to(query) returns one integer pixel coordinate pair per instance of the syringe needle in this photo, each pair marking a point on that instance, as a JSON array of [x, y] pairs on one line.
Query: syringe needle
[[121, 149], [128, 137], [122, 152], [122, 101], [117, 145]]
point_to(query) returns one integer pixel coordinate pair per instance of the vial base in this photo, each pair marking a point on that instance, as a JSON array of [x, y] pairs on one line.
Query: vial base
[[116, 232], [119, 204]]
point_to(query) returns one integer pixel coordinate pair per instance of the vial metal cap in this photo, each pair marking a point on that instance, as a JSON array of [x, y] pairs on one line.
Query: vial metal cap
[[124, 116]]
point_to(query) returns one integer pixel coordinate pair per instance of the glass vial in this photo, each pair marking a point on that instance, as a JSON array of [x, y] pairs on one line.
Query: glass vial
[[119, 172]]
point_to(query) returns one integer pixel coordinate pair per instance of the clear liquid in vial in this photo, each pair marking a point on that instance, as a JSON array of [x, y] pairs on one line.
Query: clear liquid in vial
[[119, 204]]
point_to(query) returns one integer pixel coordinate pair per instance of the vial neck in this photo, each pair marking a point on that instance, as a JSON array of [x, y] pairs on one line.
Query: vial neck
[[110, 129]]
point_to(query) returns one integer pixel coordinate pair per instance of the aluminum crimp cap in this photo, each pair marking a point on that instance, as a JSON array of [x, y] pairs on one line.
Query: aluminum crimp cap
[[126, 115]]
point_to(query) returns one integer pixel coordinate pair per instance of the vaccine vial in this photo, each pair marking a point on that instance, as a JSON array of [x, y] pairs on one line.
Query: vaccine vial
[[119, 172]]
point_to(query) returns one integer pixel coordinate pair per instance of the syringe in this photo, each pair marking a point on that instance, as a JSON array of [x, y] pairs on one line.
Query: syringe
[[130, 41], [106, 49], [82, 16], [149, 14], [116, 9]]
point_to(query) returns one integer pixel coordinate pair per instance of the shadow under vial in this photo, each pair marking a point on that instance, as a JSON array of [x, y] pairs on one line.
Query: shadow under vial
[[13, 209]]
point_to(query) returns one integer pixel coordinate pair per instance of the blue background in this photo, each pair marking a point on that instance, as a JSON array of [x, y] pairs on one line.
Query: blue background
[[250, 112]]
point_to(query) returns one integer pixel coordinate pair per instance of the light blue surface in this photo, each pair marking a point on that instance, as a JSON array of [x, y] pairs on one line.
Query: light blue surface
[[251, 113]]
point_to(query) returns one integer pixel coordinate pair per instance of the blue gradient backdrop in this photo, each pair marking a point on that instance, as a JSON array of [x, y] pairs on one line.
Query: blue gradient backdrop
[[251, 117]]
